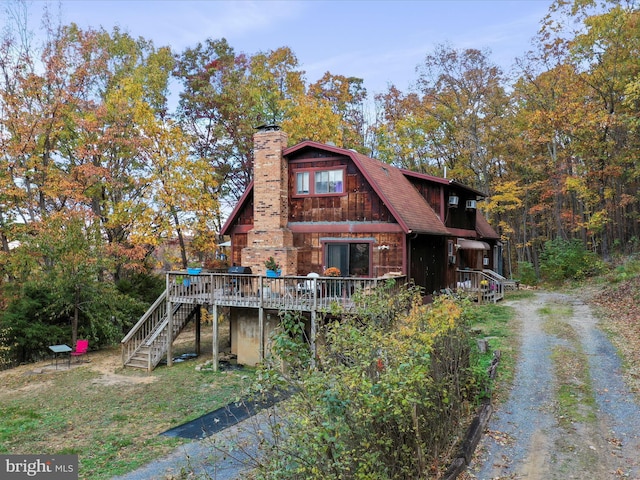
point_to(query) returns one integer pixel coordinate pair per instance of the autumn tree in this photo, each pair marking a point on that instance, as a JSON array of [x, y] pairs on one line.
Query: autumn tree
[[106, 155], [346, 96], [605, 53], [573, 119], [225, 97], [184, 195], [74, 117], [453, 121], [402, 133], [61, 258]]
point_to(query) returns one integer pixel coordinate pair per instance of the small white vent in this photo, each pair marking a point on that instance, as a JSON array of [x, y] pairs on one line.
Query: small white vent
[[453, 201], [471, 204]]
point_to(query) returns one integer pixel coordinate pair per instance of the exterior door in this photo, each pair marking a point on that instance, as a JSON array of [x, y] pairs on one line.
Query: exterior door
[[428, 263]]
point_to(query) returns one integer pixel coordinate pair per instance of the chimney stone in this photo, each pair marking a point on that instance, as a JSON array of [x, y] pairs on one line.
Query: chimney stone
[[270, 236]]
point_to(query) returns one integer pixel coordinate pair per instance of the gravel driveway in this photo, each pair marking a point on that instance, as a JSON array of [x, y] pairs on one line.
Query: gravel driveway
[[531, 436]]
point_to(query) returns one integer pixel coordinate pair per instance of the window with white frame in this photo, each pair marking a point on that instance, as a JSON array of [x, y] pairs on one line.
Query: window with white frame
[[302, 183], [320, 182]]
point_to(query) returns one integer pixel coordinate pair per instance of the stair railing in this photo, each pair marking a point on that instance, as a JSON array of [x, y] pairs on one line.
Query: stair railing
[[144, 327], [157, 342]]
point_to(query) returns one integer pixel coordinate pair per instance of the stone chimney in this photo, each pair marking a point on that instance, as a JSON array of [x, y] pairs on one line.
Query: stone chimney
[[270, 236]]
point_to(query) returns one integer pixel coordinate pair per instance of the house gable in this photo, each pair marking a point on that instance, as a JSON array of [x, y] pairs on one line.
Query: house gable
[[457, 217], [357, 201], [404, 203], [241, 217]]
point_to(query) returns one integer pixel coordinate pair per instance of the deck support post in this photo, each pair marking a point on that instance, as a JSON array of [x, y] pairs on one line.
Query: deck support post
[[261, 320], [198, 325], [312, 338], [215, 338], [313, 332], [261, 333]]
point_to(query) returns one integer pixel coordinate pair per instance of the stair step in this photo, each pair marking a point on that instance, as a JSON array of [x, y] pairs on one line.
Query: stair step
[[141, 357], [137, 363]]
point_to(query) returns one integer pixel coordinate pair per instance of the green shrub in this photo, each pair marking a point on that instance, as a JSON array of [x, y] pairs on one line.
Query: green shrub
[[568, 260], [626, 271], [383, 397], [38, 316], [527, 273], [28, 328]]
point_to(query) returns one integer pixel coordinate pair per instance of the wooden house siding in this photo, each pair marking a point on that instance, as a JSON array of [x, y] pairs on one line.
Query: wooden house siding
[[359, 203], [461, 218], [311, 255], [437, 196], [404, 217], [433, 195], [239, 242]]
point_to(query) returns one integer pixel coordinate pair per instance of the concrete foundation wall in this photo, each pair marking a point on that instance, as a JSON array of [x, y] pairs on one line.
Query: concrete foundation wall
[[245, 334]]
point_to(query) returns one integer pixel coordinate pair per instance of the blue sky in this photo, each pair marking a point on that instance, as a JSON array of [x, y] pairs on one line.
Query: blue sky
[[380, 41]]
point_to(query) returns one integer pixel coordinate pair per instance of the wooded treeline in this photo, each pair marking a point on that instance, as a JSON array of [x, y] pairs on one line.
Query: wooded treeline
[[97, 173]]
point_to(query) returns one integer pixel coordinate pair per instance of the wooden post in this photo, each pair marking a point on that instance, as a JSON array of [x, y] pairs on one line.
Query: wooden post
[[215, 338], [261, 333], [312, 338], [313, 322], [198, 325], [261, 320]]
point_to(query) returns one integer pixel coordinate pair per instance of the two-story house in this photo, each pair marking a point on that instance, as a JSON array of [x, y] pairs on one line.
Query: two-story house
[[312, 206]]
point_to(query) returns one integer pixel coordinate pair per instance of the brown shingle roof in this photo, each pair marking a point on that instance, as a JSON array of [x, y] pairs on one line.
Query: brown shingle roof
[[484, 229], [410, 208]]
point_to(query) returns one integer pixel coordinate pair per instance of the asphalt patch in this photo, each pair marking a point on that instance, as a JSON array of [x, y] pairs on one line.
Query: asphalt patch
[[224, 417]]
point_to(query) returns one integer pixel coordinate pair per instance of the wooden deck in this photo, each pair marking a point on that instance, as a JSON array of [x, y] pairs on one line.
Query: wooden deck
[[306, 294], [152, 337]]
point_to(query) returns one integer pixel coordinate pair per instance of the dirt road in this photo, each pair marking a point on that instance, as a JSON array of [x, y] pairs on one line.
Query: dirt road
[[569, 414]]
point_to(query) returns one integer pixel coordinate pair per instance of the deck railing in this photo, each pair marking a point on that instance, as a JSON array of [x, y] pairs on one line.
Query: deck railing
[[258, 291], [147, 324], [484, 285]]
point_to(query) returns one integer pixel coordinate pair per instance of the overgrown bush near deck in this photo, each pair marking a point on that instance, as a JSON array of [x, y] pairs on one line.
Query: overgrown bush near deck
[[386, 397]]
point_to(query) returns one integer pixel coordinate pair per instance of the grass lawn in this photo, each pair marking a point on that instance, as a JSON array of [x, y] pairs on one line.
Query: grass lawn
[[496, 322], [110, 417]]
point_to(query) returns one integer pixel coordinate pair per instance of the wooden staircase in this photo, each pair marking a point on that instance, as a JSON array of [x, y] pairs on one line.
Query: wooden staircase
[[146, 344]]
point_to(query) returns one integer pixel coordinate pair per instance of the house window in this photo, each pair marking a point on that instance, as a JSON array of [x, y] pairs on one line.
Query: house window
[[320, 182], [329, 181], [302, 183], [351, 258]]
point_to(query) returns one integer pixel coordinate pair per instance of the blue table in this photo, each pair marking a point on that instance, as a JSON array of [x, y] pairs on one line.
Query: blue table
[[61, 349]]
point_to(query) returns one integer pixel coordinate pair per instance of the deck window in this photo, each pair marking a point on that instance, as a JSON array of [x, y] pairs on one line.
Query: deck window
[[320, 182], [351, 258]]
